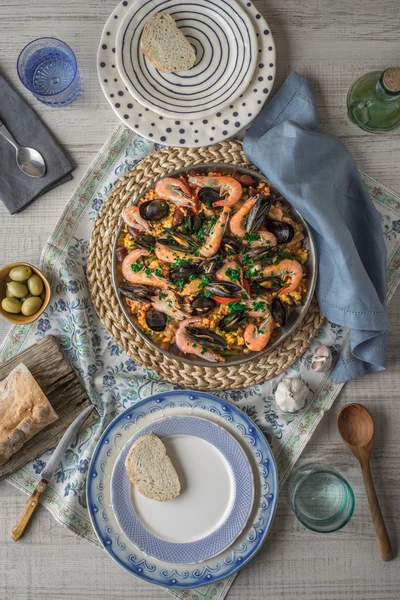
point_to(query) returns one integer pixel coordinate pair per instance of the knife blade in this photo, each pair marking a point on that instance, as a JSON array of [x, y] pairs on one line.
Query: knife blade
[[48, 472]]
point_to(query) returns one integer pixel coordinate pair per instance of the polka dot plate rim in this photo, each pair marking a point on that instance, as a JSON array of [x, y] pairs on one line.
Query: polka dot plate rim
[[226, 55], [223, 125]]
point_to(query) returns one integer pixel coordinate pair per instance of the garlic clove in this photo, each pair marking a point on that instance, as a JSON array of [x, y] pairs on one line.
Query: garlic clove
[[321, 359], [291, 395]]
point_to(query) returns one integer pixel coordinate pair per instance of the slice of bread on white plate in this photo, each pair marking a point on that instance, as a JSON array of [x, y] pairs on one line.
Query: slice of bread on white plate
[[151, 470], [165, 45]]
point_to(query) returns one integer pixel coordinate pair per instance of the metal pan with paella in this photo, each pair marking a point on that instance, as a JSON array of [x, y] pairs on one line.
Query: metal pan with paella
[[212, 266]]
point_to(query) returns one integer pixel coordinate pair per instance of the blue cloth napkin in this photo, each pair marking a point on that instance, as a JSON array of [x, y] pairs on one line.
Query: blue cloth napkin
[[317, 175]]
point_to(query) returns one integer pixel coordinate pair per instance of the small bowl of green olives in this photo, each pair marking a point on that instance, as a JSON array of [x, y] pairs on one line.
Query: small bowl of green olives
[[24, 293]]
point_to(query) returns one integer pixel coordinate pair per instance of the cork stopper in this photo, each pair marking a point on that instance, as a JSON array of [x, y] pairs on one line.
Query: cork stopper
[[391, 79]]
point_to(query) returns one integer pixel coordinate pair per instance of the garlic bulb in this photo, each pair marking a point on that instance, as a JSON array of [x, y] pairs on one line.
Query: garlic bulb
[[321, 359], [291, 394]]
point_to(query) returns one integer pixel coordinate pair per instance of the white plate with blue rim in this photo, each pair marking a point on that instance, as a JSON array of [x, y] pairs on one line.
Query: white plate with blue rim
[[135, 420], [196, 525], [225, 43], [192, 133]]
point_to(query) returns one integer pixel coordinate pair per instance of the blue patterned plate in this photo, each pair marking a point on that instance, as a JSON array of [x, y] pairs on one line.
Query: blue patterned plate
[[107, 452], [225, 42], [207, 458]]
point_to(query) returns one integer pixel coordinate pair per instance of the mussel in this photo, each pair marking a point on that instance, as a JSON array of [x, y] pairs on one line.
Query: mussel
[[202, 305], [279, 312], [208, 195], [261, 252], [224, 289], [283, 232], [156, 320], [268, 284], [174, 245], [183, 239], [230, 246], [135, 233], [184, 271], [140, 293], [194, 223], [146, 241], [154, 210], [206, 338], [258, 213], [231, 322], [211, 265]]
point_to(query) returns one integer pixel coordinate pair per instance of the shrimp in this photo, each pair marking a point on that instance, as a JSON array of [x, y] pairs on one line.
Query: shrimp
[[286, 268], [131, 217], [140, 277], [257, 337], [170, 255], [236, 272], [266, 239], [189, 347], [227, 186], [257, 307], [176, 191], [213, 242], [167, 303], [237, 223]]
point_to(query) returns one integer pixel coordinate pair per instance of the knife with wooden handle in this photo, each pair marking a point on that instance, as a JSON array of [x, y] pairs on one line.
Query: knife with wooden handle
[[48, 472]]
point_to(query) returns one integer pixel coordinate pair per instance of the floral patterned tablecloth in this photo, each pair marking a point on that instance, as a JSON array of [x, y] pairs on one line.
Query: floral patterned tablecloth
[[113, 381]]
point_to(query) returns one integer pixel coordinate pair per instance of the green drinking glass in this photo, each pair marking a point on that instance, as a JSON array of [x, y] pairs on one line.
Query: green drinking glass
[[321, 498]]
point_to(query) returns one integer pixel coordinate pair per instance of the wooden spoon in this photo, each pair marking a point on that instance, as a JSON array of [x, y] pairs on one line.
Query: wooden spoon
[[357, 430]]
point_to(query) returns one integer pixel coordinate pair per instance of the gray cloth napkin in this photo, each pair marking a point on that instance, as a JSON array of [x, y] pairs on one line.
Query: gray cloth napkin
[[316, 174], [17, 190]]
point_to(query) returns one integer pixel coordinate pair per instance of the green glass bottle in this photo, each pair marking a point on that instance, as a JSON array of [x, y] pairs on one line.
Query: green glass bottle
[[373, 101]]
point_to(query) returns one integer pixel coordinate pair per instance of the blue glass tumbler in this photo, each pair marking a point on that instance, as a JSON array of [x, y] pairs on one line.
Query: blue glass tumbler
[[47, 67]]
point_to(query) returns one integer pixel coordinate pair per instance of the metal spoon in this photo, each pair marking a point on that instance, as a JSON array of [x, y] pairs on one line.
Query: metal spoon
[[29, 160], [357, 430]]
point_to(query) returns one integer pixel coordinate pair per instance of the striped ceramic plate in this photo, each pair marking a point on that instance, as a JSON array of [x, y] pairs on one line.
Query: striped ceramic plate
[[226, 53]]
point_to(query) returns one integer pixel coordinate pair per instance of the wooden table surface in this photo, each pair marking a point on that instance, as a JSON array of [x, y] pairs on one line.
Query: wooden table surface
[[332, 42]]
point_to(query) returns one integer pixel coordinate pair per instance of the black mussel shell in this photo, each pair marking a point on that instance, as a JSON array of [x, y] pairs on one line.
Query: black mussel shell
[[171, 243], [183, 272], [279, 312], [146, 241], [194, 223], [154, 210], [205, 337], [231, 322], [270, 284], [181, 238], [208, 195], [156, 320], [202, 305], [140, 293], [230, 246], [257, 253], [283, 232], [211, 265], [224, 289], [258, 213]]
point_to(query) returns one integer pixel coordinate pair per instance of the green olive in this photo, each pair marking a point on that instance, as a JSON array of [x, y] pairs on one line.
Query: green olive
[[35, 285], [31, 306], [8, 294], [11, 305], [17, 289], [20, 273]]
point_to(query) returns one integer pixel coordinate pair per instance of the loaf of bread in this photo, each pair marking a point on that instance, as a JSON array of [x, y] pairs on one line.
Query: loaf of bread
[[151, 470], [165, 45], [24, 410]]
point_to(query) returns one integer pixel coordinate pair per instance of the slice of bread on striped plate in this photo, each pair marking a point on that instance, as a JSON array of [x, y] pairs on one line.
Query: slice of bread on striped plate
[[165, 45], [151, 470]]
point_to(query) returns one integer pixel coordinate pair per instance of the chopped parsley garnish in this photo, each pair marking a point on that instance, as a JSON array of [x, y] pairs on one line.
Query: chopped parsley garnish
[[168, 318], [204, 278], [203, 350], [233, 274], [207, 294], [192, 276], [243, 294], [236, 306], [148, 271], [259, 305], [247, 260], [136, 267], [157, 272], [180, 282], [163, 295], [250, 273], [251, 237]]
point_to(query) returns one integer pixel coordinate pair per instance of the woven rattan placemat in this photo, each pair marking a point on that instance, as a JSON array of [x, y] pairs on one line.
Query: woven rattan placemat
[[99, 269]]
